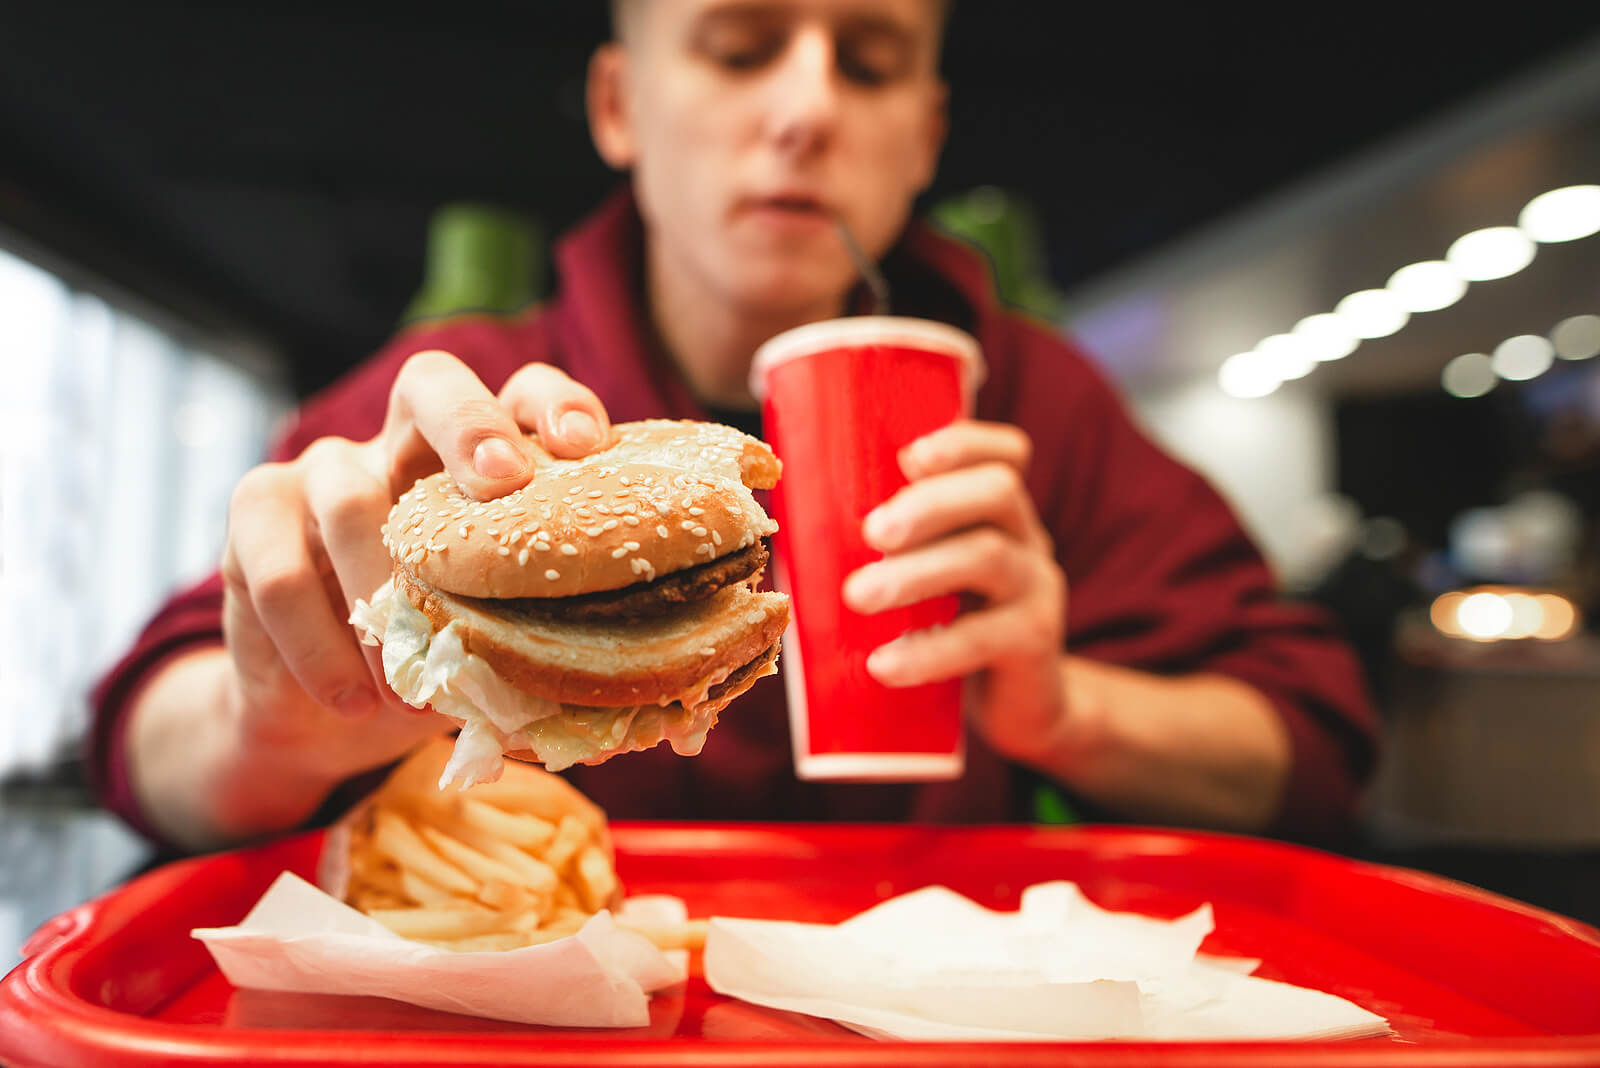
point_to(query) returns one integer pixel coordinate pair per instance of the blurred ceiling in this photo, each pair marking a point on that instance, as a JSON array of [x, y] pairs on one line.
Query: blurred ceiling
[[270, 169]]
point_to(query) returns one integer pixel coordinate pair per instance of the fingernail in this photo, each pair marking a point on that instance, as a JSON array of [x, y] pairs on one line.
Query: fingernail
[[497, 458], [355, 701], [860, 590], [885, 660], [879, 529], [580, 430]]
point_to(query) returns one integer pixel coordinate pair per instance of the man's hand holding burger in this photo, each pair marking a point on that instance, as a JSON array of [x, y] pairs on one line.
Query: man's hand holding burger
[[295, 700]]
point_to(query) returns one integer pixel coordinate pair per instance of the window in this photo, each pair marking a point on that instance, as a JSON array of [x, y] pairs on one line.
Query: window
[[120, 442]]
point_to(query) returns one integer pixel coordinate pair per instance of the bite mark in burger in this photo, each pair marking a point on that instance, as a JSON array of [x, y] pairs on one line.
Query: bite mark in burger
[[607, 606]]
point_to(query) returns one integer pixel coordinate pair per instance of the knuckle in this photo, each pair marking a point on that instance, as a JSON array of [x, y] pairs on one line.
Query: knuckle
[[280, 589], [471, 419]]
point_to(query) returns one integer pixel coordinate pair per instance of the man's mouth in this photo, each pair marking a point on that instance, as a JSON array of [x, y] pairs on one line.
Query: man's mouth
[[796, 206]]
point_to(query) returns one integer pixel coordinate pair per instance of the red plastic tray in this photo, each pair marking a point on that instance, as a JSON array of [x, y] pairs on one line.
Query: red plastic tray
[[1464, 977]]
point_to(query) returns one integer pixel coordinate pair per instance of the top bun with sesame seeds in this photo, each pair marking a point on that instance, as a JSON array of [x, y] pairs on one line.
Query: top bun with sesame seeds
[[608, 605], [662, 496]]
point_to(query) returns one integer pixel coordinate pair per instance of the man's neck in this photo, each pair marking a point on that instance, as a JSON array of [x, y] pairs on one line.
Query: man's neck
[[711, 341]]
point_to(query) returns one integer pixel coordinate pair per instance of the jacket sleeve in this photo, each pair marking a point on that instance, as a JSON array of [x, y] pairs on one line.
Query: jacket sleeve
[[1161, 576]]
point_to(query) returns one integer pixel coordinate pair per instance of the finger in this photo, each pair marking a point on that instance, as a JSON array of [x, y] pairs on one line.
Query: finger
[[348, 501], [973, 642], [966, 443], [983, 561], [439, 408], [277, 571], [991, 493], [568, 417]]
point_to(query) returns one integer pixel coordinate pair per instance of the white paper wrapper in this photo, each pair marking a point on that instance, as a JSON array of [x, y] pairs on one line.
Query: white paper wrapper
[[933, 965], [298, 938]]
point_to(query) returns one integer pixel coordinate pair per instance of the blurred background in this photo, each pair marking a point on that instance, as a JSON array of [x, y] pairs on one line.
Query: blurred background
[[1343, 260]]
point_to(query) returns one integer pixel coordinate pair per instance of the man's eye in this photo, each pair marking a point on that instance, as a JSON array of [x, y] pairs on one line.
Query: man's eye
[[860, 72]]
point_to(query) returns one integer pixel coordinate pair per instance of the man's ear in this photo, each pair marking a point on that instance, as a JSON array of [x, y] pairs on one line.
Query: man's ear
[[937, 127], [606, 95]]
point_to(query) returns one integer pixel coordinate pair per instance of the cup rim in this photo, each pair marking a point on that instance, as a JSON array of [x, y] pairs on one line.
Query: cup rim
[[826, 334]]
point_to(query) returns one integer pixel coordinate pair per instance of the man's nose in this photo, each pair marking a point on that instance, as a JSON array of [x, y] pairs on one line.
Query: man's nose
[[804, 103]]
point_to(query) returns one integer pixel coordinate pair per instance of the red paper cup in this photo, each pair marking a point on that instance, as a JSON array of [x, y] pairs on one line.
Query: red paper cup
[[840, 398]]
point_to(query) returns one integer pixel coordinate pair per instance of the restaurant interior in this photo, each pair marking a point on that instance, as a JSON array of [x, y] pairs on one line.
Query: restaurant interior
[[1349, 267]]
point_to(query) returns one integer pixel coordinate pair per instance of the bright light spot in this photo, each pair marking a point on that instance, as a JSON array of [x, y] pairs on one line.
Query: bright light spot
[[1484, 616], [1559, 617], [1562, 214], [1247, 374], [1427, 286], [1287, 355], [1525, 356], [1443, 613], [1469, 375], [1577, 338], [1492, 613], [1326, 336], [1496, 252], [1527, 615], [1372, 313]]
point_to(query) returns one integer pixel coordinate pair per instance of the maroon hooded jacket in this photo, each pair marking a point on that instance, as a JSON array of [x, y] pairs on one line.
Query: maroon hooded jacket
[[1161, 576]]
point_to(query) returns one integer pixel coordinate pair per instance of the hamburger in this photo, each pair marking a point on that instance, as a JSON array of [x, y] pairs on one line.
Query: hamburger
[[607, 606]]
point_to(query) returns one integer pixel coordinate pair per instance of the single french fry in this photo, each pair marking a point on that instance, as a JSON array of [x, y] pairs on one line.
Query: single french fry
[[509, 897], [572, 834], [488, 943], [537, 875], [480, 866], [564, 922], [516, 828], [364, 898], [528, 789], [425, 892], [691, 934], [397, 840], [426, 922], [594, 878], [369, 869]]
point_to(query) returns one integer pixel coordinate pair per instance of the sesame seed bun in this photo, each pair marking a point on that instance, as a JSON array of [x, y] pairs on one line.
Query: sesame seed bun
[[622, 581], [662, 496]]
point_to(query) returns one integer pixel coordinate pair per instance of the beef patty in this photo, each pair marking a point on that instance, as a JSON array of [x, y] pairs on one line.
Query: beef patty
[[644, 600]]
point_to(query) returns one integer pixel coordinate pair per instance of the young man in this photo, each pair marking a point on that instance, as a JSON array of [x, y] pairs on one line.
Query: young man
[[1126, 644]]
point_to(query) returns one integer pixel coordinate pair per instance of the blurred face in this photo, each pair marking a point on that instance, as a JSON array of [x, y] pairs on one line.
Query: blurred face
[[751, 124]]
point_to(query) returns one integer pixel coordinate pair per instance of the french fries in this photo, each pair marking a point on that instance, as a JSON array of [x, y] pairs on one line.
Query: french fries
[[513, 863]]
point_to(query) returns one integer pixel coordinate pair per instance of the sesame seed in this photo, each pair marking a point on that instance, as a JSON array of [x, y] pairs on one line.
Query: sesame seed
[[494, 532], [552, 574], [716, 537], [596, 493], [703, 547], [699, 532], [692, 511], [631, 520], [568, 549], [610, 524], [594, 532], [687, 524], [503, 551], [708, 651], [631, 546], [662, 531], [618, 553], [463, 528], [542, 546], [522, 558]]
